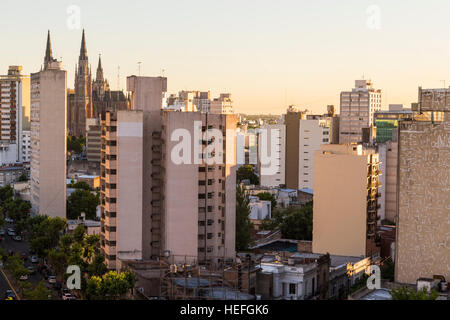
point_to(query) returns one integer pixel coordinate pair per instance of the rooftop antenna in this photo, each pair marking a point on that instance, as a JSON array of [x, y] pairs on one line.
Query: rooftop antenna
[[118, 78], [163, 72], [139, 68]]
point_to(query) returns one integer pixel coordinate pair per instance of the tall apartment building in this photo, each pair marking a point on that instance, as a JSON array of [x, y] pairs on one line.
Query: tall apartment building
[[292, 121], [357, 110], [93, 143], [388, 152], [26, 148], [15, 114], [345, 200], [386, 122], [304, 135], [422, 244], [272, 174], [48, 138], [222, 105], [314, 132], [152, 205]]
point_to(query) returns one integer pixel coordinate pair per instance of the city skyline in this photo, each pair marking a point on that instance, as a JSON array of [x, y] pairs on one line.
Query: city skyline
[[267, 56]]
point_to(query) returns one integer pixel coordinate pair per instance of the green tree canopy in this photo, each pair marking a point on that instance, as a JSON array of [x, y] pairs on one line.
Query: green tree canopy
[[6, 192], [247, 172], [244, 226], [405, 293], [298, 223], [81, 185], [82, 201], [75, 144], [45, 233], [112, 285], [39, 292], [23, 177]]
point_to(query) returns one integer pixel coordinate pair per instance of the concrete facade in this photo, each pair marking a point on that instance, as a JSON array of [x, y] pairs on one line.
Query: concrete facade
[[15, 114], [345, 200], [48, 139], [182, 209], [357, 110], [313, 133], [422, 246], [278, 132]]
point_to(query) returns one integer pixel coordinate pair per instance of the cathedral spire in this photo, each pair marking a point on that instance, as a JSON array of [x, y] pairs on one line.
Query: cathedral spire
[[83, 50], [48, 52], [99, 69]]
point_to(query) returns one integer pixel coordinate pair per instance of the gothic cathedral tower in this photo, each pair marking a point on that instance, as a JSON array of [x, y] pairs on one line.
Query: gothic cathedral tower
[[83, 106]]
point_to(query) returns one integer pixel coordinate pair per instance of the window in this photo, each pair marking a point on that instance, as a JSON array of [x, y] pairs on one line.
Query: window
[[210, 235], [201, 196], [201, 182], [292, 288]]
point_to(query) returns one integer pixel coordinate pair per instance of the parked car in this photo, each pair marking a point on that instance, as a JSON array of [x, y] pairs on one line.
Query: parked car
[[1, 238], [9, 220], [17, 238], [34, 259], [2, 232], [23, 277], [31, 270], [11, 233], [24, 256], [51, 279], [1, 264], [9, 295]]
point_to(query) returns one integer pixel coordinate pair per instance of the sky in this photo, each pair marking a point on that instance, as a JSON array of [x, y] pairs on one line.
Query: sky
[[268, 54]]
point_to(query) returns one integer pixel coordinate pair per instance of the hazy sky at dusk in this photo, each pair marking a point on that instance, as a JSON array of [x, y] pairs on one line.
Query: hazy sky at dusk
[[266, 53]]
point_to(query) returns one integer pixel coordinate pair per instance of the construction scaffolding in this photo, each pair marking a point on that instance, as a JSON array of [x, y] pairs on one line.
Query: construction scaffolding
[[183, 278]]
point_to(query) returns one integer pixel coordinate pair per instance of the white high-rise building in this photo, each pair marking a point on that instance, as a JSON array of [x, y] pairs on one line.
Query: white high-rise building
[[313, 134], [275, 133], [15, 113], [357, 110], [48, 138]]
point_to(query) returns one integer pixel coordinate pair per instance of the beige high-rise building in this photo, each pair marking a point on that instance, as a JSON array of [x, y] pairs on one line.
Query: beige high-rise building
[[222, 105], [304, 135], [423, 224], [93, 143], [345, 200], [152, 205], [357, 110], [15, 114], [48, 138]]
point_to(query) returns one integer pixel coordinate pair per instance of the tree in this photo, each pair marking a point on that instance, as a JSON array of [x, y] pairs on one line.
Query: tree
[[298, 223], [97, 267], [268, 197], [82, 201], [387, 270], [14, 264], [6, 192], [82, 185], [19, 211], [112, 285], [39, 292], [405, 293], [45, 233], [247, 172], [244, 226], [75, 144], [23, 177]]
